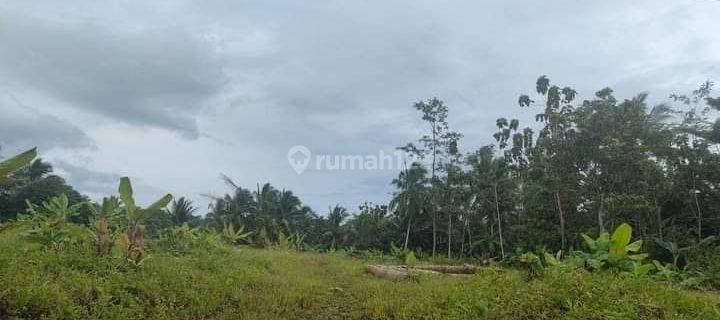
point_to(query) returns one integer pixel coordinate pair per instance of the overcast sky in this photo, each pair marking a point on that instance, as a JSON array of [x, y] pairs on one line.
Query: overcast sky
[[174, 93]]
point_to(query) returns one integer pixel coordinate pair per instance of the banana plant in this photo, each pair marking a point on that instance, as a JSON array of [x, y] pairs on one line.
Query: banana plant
[[677, 251], [621, 247], [232, 236], [7, 167], [616, 251], [102, 233], [133, 240], [50, 222], [57, 209]]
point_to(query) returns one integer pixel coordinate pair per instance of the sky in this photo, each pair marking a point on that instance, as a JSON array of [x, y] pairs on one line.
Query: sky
[[176, 93]]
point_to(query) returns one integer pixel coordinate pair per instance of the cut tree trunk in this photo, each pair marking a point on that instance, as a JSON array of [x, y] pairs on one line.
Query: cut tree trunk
[[403, 272], [394, 273], [442, 268]]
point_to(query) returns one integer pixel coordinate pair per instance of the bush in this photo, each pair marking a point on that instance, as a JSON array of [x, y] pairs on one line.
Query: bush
[[705, 265], [614, 252]]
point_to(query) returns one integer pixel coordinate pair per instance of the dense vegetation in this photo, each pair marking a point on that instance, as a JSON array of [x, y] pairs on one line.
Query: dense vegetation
[[602, 207]]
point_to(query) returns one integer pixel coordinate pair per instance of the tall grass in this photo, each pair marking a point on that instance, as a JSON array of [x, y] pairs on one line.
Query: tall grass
[[231, 283]]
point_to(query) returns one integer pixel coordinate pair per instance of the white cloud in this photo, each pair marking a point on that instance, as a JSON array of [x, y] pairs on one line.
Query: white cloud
[[246, 80]]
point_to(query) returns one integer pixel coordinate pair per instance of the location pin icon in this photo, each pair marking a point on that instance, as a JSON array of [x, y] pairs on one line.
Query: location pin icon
[[299, 158]]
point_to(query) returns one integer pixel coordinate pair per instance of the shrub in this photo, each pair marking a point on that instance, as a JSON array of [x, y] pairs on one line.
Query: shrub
[[178, 240], [614, 252], [233, 237], [50, 226]]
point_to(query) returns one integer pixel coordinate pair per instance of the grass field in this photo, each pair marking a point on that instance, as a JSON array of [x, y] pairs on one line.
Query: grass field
[[279, 284]]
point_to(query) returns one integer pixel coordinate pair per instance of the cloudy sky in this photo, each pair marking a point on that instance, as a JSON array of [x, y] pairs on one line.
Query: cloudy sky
[[174, 93]]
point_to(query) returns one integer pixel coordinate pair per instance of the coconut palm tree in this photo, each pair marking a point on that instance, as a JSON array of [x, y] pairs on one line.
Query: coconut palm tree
[[411, 199], [182, 211], [490, 175], [335, 218]]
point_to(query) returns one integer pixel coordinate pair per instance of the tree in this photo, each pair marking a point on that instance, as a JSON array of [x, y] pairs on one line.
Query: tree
[[410, 201], [182, 211], [268, 212], [555, 144], [13, 201], [433, 146], [372, 228], [335, 218], [490, 180]]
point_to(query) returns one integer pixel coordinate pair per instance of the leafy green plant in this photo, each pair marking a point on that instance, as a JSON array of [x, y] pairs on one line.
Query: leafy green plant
[[291, 242], [133, 240], [179, 240], [678, 252], [410, 259], [56, 208], [103, 235], [615, 252], [531, 262], [232, 236], [692, 274], [665, 271], [298, 241], [404, 255], [50, 223], [8, 166], [536, 263]]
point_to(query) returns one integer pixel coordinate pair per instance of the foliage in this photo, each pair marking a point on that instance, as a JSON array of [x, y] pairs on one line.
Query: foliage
[[233, 237], [615, 252], [133, 240], [178, 240], [410, 259], [677, 252], [402, 254], [699, 269], [268, 212], [182, 211], [583, 167], [50, 226], [532, 263], [16, 192], [103, 215], [278, 284], [705, 263], [8, 166], [289, 242]]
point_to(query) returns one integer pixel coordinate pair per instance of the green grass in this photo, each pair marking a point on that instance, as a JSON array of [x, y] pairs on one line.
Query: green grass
[[270, 284]]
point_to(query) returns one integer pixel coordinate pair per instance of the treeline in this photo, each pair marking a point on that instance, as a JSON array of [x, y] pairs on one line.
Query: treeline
[[581, 167]]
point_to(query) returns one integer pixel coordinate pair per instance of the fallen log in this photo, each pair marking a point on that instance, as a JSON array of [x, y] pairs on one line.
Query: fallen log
[[443, 268], [388, 272], [402, 272]]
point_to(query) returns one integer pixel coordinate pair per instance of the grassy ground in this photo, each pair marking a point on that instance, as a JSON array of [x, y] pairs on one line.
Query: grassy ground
[[271, 284]]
